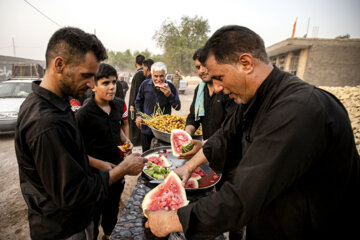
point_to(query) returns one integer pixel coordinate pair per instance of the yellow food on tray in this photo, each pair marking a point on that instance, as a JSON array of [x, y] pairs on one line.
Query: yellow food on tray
[[165, 122]]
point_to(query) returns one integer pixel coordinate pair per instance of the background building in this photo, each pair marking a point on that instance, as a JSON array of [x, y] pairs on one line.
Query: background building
[[322, 62], [6, 65]]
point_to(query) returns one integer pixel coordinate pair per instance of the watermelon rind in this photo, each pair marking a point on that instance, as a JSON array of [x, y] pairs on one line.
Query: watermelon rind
[[148, 197], [195, 182], [173, 132], [166, 162]]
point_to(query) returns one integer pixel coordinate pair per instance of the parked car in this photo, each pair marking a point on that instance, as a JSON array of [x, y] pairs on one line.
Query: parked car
[[12, 95], [182, 83]]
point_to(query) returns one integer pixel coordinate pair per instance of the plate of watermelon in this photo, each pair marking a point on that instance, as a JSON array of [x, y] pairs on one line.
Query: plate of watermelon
[[202, 178]]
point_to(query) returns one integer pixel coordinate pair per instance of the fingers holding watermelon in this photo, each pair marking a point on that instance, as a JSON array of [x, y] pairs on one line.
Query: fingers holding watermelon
[[184, 173], [196, 146], [162, 223]]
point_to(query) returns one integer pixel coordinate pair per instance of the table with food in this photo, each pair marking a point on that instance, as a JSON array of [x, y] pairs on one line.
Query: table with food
[[160, 188]]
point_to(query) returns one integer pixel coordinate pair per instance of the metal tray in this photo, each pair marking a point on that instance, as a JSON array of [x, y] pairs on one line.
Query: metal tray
[[165, 136], [204, 182]]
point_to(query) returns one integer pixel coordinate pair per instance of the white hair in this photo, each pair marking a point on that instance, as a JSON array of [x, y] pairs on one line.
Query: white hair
[[158, 66]]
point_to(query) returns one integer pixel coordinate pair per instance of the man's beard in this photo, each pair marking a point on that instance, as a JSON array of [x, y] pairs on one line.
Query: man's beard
[[67, 87]]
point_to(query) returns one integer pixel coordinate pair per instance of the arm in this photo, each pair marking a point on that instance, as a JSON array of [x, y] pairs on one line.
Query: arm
[[139, 105], [100, 164]]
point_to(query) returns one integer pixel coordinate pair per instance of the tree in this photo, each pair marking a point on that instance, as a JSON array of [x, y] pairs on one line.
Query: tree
[[179, 42], [346, 36]]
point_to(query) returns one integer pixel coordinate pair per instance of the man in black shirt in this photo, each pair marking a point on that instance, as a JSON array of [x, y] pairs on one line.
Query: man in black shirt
[[59, 187], [207, 108], [147, 63], [299, 174], [135, 133]]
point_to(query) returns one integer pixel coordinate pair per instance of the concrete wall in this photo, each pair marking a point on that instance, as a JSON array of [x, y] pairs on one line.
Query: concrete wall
[[6, 63], [333, 63]]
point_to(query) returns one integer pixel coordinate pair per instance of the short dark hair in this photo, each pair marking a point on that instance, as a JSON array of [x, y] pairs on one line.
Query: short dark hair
[[73, 44], [139, 59], [229, 42], [148, 62], [105, 71], [197, 53]]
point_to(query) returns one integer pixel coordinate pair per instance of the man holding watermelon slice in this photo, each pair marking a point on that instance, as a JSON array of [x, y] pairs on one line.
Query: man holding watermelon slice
[[299, 176], [155, 93]]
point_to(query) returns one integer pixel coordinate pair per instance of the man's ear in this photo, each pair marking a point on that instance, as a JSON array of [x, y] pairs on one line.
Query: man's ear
[[246, 62], [59, 64]]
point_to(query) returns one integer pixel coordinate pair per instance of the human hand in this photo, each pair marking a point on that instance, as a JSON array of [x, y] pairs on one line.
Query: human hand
[[162, 223], [166, 90], [130, 147], [134, 164], [197, 146], [138, 122], [184, 172]]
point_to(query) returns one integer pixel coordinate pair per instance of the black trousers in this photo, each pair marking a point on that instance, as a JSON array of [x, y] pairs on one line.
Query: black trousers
[[109, 209], [146, 141]]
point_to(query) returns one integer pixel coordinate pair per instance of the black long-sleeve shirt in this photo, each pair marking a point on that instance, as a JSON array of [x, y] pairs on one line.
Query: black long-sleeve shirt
[[135, 84], [59, 187], [299, 174], [217, 107]]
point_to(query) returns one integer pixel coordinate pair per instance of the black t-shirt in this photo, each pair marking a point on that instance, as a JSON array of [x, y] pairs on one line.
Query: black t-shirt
[[58, 185], [101, 132]]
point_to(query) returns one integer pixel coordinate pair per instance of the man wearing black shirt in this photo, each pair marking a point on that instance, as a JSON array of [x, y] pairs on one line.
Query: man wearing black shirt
[[214, 107], [300, 170], [135, 133], [59, 187]]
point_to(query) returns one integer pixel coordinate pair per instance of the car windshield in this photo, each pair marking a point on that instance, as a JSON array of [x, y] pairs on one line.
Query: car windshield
[[15, 89]]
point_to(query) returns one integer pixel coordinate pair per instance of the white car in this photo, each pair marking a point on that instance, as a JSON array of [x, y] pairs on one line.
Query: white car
[[12, 95], [182, 83]]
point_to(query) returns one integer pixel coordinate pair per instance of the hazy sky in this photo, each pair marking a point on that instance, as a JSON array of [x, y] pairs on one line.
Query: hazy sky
[[131, 24]]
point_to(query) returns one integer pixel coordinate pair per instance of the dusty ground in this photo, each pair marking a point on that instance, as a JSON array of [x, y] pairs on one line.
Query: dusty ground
[[13, 210]]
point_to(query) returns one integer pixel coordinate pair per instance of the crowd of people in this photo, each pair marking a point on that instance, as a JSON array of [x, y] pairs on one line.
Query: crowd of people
[[285, 148]]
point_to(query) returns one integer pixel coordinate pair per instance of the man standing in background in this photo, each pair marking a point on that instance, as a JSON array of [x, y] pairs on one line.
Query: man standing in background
[[176, 80], [147, 67], [138, 78]]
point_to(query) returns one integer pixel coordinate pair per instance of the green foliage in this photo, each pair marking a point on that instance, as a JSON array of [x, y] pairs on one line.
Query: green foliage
[[179, 42], [125, 61], [346, 36]]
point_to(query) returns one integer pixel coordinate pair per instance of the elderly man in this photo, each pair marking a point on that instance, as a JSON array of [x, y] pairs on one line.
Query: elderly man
[[155, 93], [300, 171]]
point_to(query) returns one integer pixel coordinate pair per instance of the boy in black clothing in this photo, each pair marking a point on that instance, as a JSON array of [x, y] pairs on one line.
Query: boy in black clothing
[[103, 124]]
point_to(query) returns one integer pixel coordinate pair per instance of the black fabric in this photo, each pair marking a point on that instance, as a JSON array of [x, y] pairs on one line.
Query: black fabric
[[125, 87], [101, 131], [135, 133], [146, 141], [119, 90], [58, 185], [217, 107], [299, 174], [108, 211]]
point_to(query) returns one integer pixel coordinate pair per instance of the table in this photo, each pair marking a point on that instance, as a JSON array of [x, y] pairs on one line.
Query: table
[[131, 224]]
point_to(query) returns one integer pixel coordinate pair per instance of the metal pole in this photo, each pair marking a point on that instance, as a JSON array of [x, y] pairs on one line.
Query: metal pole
[[14, 47]]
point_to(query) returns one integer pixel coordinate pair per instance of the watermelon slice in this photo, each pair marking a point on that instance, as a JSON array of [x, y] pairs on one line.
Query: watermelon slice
[[195, 176], [158, 160], [192, 183], [178, 138], [159, 84], [169, 195]]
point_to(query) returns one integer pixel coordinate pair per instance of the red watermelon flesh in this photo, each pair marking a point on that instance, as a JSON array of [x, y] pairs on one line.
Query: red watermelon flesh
[[159, 84], [169, 195], [199, 172], [195, 176], [158, 160], [178, 138]]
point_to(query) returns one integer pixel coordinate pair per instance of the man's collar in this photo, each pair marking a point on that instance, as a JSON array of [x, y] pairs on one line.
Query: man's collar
[[50, 96]]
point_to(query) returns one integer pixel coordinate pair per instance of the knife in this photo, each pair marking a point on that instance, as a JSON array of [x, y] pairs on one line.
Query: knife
[[157, 181]]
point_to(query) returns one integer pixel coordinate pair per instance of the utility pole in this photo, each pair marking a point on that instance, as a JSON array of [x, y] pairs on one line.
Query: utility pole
[[14, 47]]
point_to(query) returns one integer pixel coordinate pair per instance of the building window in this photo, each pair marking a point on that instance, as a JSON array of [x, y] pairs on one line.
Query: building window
[[273, 61], [281, 62], [294, 62]]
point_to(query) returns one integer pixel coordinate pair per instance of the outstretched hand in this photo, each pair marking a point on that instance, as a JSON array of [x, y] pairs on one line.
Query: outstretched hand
[[162, 223], [134, 164], [197, 146]]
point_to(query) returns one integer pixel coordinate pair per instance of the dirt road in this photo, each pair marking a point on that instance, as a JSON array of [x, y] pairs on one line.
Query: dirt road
[[13, 210]]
